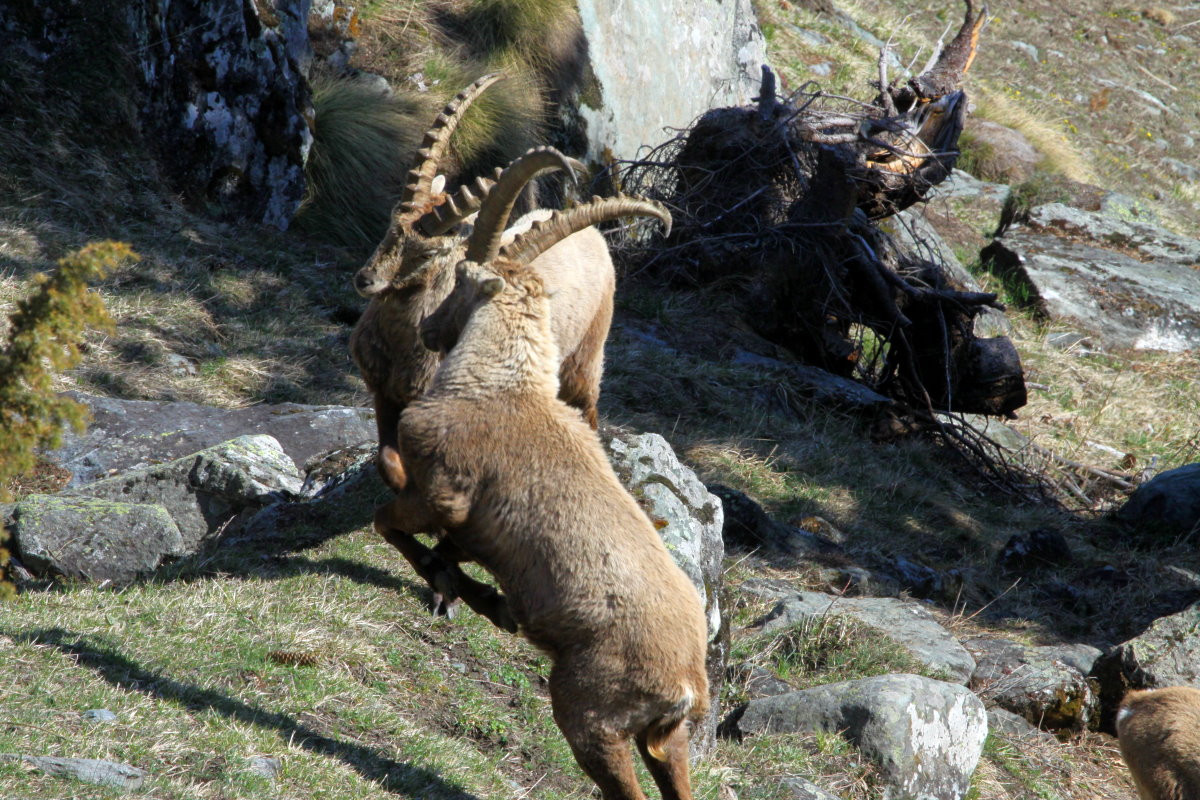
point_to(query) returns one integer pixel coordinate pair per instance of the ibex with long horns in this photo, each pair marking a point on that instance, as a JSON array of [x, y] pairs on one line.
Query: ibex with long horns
[[412, 271], [521, 484]]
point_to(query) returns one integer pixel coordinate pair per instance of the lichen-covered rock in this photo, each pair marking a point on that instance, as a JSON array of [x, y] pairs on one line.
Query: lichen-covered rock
[[1131, 284], [689, 519], [225, 102], [91, 538], [663, 64], [1166, 654], [910, 624], [925, 736], [205, 491], [1041, 684]]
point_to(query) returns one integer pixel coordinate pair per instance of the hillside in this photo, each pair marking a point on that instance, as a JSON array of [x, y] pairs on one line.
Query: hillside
[[320, 673]]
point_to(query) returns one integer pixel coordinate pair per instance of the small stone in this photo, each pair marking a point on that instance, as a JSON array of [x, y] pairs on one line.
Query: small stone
[[265, 766], [99, 715]]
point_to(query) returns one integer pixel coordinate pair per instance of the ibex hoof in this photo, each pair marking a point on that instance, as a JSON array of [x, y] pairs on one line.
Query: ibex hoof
[[445, 605]]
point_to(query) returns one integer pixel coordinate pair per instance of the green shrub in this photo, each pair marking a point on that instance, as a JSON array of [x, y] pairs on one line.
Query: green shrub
[[43, 337]]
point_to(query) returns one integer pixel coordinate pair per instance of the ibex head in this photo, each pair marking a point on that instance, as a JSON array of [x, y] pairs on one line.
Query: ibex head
[[424, 212]]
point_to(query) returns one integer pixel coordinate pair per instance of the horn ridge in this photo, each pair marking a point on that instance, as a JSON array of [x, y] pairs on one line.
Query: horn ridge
[[545, 234], [484, 242], [433, 147]]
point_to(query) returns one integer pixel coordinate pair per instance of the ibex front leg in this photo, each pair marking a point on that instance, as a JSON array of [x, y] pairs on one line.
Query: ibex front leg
[[438, 567]]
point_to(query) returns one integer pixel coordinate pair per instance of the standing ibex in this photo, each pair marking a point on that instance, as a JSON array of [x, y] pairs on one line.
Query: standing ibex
[[521, 484], [412, 270], [1159, 734]]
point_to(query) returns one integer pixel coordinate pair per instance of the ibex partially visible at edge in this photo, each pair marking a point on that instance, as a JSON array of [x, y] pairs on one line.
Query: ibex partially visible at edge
[[521, 484], [1159, 734]]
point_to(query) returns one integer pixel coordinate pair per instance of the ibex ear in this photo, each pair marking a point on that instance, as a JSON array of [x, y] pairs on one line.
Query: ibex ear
[[438, 185], [492, 287]]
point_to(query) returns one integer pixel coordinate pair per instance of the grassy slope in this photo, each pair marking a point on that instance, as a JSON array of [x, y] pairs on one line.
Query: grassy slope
[[423, 708]]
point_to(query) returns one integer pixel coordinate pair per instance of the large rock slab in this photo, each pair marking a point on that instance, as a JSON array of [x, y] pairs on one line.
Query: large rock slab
[[689, 519], [663, 63], [910, 624], [205, 491], [925, 736], [92, 539], [1133, 285], [133, 434]]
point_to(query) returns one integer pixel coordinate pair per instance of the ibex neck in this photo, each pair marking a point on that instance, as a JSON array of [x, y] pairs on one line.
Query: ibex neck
[[495, 356]]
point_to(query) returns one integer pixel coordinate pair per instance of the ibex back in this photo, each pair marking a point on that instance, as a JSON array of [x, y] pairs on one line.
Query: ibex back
[[1159, 734]]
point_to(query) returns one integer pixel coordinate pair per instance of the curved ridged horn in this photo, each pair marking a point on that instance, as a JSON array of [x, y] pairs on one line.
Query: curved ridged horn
[[489, 225], [415, 198], [462, 204], [544, 235]]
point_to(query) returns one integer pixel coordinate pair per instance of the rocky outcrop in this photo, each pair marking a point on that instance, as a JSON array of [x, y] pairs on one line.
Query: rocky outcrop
[[1131, 284], [908, 623], [1166, 654], [123, 435], [663, 64], [124, 527], [226, 104], [925, 736], [213, 90]]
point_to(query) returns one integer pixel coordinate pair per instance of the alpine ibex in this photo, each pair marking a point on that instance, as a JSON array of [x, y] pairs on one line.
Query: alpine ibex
[[412, 270], [521, 484], [1159, 734]]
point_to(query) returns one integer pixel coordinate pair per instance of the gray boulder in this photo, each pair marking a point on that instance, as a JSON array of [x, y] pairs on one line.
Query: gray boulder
[[689, 519], [663, 64], [1004, 154], [925, 736], [205, 491], [1040, 684], [1131, 284], [910, 624], [92, 539], [1168, 504], [1166, 654], [132, 434]]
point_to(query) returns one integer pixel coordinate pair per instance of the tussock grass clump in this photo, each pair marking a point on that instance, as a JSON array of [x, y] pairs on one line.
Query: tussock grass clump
[[1059, 154], [364, 138]]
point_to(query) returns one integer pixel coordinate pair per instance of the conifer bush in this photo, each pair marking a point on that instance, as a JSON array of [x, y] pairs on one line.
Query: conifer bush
[[44, 334]]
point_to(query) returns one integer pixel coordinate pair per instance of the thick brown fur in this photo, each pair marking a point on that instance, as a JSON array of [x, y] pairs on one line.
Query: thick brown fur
[[420, 274], [1159, 734], [522, 485]]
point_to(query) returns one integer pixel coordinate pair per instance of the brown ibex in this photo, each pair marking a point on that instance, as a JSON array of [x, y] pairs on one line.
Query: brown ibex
[[521, 484], [412, 270], [1159, 734]]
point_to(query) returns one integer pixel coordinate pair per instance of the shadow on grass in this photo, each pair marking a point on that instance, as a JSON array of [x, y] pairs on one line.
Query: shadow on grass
[[396, 777]]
